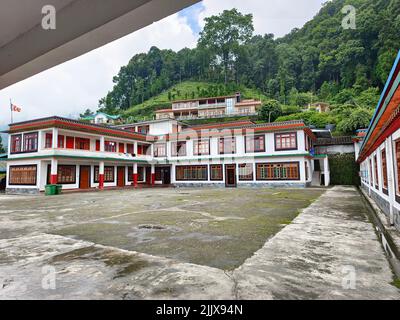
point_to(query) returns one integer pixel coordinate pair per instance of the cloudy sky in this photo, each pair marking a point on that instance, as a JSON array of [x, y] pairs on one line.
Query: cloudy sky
[[69, 88]]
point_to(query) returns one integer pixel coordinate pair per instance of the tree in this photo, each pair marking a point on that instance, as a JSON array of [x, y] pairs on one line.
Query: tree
[[359, 119], [87, 113], [2, 150], [270, 111], [224, 34]]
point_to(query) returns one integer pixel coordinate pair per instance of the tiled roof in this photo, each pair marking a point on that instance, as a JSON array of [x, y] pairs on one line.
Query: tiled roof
[[334, 141]]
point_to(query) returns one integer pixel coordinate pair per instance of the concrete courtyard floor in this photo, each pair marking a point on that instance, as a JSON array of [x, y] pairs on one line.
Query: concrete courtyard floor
[[191, 244]]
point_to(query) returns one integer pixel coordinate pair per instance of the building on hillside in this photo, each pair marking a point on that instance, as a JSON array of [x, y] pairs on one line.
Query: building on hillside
[[379, 150], [335, 145], [213, 107], [103, 118], [321, 107], [81, 155]]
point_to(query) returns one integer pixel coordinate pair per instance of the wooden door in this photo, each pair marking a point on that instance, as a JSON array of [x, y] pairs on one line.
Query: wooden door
[[230, 175], [84, 177], [148, 175], [121, 176]]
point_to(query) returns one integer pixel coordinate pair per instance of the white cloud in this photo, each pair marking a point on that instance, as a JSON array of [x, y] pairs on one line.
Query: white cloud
[[72, 86], [77, 84], [270, 16]]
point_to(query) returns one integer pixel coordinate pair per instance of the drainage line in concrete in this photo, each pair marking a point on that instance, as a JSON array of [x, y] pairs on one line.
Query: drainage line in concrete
[[391, 250]]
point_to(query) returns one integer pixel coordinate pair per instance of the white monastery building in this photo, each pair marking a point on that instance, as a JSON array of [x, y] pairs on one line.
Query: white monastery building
[[81, 155], [378, 150]]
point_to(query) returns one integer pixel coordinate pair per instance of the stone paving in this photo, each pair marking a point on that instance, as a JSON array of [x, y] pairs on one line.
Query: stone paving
[[311, 258]]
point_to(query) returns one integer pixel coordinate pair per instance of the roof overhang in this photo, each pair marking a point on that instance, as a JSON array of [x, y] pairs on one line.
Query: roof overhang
[[81, 26], [386, 119]]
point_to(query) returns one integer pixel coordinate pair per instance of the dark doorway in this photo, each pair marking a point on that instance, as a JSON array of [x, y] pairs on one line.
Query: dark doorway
[[121, 177], [163, 174], [148, 175], [230, 175], [84, 177]]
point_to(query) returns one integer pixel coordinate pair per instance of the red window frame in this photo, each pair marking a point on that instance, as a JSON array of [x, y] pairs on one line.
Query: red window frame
[[178, 148], [61, 141], [82, 143], [253, 143], [130, 148], [245, 176], [376, 172], [48, 141], [384, 172], [285, 141], [160, 150], [199, 145], [31, 142], [227, 145], [70, 142], [278, 171], [110, 146], [216, 172], [121, 147]]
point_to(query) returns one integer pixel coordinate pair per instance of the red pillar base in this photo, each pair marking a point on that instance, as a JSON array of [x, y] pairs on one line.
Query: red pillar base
[[153, 179], [135, 180], [53, 179], [101, 181]]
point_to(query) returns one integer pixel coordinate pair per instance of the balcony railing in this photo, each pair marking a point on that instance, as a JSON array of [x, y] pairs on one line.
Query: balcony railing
[[232, 114]]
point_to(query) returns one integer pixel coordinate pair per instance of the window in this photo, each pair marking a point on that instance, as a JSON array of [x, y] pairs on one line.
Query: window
[[31, 142], [143, 149], [255, 144], [16, 143], [22, 175], [216, 172], [370, 170], [70, 142], [179, 149], [201, 147], [143, 129], [227, 145], [246, 171], [49, 140], [82, 144], [66, 174], [108, 174], [191, 173], [278, 171], [121, 148], [110, 146], [286, 141], [376, 172], [140, 173], [61, 141], [130, 174], [160, 150], [397, 155], [306, 167], [384, 172], [130, 148]]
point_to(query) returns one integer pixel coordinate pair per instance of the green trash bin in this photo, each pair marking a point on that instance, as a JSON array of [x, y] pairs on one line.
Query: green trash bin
[[58, 188], [50, 189]]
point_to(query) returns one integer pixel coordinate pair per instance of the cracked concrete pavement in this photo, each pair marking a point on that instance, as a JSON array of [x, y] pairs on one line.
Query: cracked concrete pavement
[[307, 259]]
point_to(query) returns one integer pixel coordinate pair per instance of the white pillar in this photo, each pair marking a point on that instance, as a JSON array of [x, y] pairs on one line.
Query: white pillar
[[102, 145], [135, 148], [55, 138], [9, 148], [391, 177], [326, 172]]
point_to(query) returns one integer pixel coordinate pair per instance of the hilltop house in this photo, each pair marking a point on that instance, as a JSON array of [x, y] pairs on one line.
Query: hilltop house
[[214, 107], [82, 155], [103, 118], [378, 150]]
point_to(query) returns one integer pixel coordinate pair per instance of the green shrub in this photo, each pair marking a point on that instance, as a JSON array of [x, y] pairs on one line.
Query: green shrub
[[344, 169]]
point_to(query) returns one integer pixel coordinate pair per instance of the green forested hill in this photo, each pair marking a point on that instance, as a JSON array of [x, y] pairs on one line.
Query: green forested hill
[[187, 90], [321, 61]]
